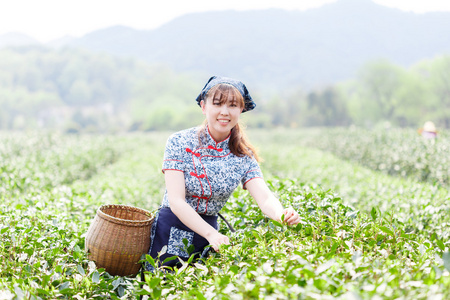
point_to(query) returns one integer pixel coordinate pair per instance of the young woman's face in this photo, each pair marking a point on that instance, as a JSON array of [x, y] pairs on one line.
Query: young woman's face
[[221, 114]]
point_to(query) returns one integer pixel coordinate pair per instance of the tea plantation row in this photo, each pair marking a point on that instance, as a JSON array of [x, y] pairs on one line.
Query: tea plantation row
[[363, 235], [393, 151]]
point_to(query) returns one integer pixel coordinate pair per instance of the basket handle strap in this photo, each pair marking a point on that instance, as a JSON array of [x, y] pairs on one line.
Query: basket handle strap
[[226, 222]]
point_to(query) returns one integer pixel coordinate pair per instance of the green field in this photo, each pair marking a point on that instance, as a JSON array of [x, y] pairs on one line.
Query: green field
[[375, 211]]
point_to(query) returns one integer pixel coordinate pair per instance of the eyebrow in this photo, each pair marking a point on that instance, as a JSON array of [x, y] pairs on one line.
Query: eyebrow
[[222, 97]]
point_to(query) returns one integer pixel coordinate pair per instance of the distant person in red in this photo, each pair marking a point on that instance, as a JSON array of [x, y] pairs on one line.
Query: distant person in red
[[429, 130]]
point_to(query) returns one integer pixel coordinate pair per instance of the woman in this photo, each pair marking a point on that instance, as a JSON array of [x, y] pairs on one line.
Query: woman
[[202, 167], [428, 131]]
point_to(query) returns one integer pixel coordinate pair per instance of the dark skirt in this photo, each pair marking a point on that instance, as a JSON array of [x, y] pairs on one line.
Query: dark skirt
[[168, 230]]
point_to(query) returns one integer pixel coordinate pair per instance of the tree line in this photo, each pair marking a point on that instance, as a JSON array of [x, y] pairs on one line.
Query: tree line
[[76, 90]]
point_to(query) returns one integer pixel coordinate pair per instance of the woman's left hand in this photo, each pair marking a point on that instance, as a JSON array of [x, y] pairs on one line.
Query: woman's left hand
[[291, 217], [269, 204]]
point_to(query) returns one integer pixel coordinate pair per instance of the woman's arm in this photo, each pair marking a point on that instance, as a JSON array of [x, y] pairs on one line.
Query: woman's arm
[[175, 186], [269, 204]]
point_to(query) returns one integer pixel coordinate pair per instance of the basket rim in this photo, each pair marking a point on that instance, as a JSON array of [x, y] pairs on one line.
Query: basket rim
[[120, 221]]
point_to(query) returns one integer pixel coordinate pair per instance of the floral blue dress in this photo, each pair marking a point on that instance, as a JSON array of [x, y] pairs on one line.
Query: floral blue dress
[[211, 174]]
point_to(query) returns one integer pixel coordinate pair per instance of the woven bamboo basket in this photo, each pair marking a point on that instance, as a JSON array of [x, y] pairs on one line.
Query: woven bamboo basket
[[117, 238]]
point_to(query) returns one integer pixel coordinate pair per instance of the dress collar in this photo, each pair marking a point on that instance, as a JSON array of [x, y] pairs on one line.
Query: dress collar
[[210, 141]]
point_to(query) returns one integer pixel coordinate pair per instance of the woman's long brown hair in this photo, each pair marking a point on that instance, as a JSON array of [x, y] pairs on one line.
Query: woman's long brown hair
[[238, 143]]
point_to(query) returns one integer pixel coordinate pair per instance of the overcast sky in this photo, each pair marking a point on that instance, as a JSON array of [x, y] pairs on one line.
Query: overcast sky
[[46, 20]]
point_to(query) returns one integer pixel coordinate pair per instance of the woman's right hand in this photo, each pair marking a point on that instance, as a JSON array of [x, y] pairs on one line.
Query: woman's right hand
[[216, 239], [175, 186]]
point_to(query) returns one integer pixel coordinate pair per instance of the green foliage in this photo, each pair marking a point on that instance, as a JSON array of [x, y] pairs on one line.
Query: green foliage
[[75, 90], [383, 91], [78, 91], [380, 92], [437, 76], [379, 83], [32, 162], [419, 205], [364, 234], [51, 186], [400, 152], [326, 108]]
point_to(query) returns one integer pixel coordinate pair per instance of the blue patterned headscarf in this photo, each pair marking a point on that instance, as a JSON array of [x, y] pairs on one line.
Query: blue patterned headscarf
[[248, 101]]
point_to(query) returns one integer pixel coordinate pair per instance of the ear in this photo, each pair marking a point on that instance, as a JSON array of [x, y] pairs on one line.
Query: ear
[[202, 104]]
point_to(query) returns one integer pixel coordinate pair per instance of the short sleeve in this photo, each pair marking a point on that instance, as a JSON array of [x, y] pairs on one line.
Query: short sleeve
[[173, 154], [253, 171]]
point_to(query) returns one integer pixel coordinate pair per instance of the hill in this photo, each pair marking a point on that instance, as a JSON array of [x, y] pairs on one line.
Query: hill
[[273, 49], [278, 48], [16, 39]]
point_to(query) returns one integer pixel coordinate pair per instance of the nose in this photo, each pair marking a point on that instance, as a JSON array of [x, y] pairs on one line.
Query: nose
[[224, 109]]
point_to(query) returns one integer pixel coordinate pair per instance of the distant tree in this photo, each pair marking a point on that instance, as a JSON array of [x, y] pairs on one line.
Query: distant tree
[[48, 88], [35, 79], [326, 108], [412, 100], [79, 93], [278, 107], [379, 81], [439, 84]]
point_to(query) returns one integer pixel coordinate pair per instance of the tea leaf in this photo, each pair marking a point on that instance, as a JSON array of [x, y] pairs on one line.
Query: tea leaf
[[81, 270], [386, 230], [373, 213]]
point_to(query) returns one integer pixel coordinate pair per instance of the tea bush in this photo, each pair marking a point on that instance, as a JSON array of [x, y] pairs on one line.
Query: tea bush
[[364, 234], [393, 151]]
